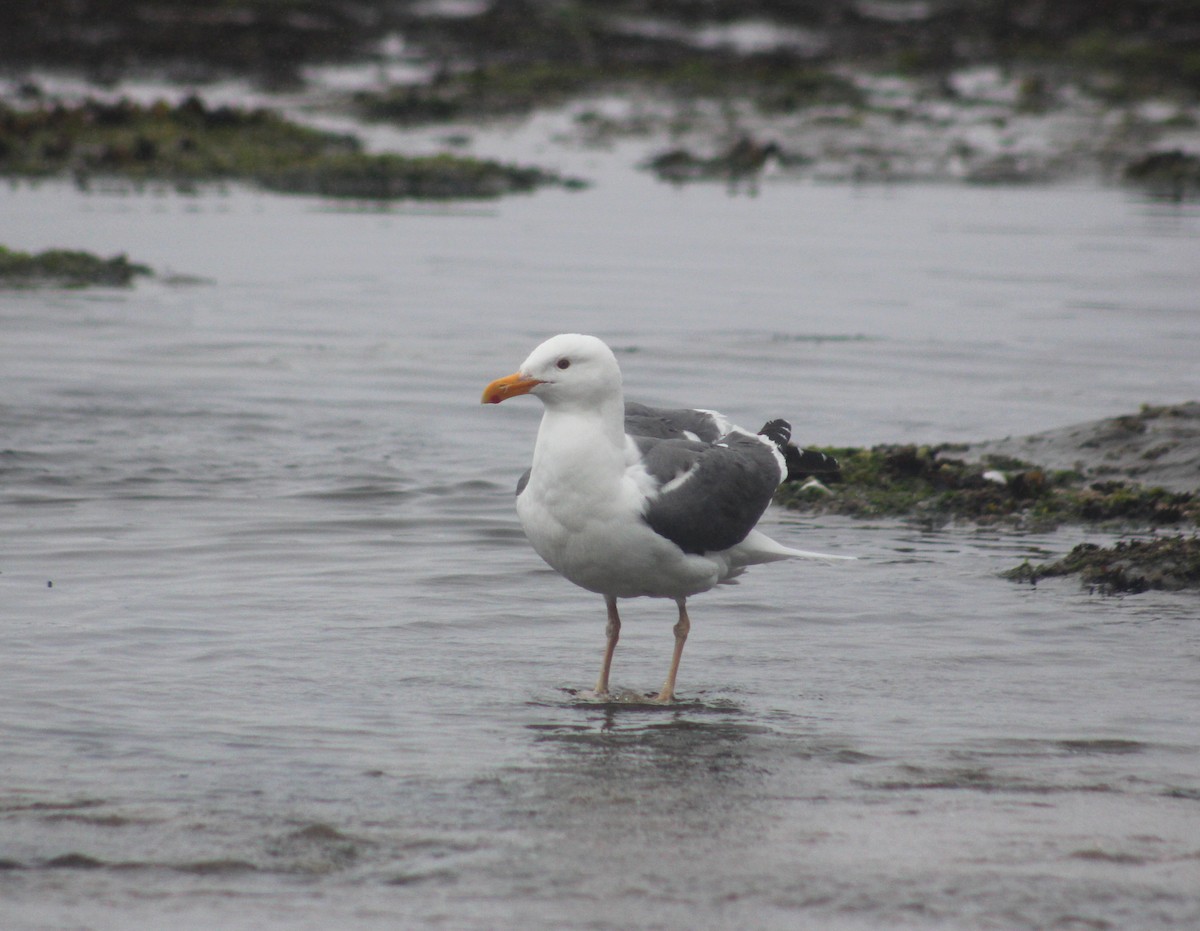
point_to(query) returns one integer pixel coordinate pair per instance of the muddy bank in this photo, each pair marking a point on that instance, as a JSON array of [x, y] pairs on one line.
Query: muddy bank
[[961, 90], [1159, 446], [862, 93], [1127, 49], [1139, 471], [968, 91]]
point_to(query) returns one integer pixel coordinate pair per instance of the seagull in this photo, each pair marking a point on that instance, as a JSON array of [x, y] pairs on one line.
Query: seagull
[[627, 500]]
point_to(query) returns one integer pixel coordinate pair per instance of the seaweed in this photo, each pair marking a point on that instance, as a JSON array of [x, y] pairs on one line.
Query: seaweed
[[190, 141], [193, 143], [66, 268], [926, 485], [1130, 49], [391, 177], [1169, 175], [270, 40], [1126, 567], [775, 83]]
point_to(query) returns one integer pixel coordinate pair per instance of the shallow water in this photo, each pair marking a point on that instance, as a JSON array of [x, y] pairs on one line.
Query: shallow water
[[274, 652]]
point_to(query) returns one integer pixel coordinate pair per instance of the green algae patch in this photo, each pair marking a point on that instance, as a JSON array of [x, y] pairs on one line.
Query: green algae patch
[[392, 177], [775, 84], [188, 142], [485, 91], [1127, 567], [65, 268], [1167, 175], [193, 143], [270, 39], [929, 485], [1128, 51]]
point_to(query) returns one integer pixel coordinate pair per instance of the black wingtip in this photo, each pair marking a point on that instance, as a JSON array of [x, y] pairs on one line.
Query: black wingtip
[[778, 432], [805, 463]]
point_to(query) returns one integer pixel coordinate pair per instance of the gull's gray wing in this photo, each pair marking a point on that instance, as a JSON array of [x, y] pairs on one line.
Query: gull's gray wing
[[680, 423], [673, 423], [709, 496]]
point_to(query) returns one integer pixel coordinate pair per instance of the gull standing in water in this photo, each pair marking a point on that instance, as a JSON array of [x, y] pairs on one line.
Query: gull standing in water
[[627, 500]]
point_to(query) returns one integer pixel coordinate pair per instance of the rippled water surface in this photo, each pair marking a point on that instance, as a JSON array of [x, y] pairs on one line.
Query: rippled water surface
[[274, 652]]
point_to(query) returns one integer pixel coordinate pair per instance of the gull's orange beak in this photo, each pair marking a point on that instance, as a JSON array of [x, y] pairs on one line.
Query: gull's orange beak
[[508, 387]]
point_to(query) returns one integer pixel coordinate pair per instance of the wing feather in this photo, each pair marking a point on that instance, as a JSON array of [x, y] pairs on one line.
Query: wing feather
[[709, 495]]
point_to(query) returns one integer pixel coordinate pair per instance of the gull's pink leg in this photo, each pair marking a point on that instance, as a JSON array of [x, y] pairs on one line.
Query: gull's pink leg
[[613, 632], [682, 626]]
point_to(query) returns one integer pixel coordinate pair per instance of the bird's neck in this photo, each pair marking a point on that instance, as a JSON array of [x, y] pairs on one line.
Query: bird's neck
[[570, 437]]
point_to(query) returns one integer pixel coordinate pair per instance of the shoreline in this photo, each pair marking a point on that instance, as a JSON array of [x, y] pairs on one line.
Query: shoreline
[[944, 94], [1134, 474], [1140, 469]]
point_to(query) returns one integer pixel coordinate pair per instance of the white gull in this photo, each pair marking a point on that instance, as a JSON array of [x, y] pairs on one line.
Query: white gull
[[626, 500]]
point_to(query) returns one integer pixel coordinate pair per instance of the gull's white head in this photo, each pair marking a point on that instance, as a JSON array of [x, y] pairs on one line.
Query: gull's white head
[[566, 370]]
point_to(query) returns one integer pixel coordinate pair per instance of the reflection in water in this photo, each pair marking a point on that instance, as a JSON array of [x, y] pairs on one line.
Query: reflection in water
[[676, 759], [691, 748], [639, 803]]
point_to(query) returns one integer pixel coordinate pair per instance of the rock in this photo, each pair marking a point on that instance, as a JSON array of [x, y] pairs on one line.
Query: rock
[[1127, 567], [1158, 446]]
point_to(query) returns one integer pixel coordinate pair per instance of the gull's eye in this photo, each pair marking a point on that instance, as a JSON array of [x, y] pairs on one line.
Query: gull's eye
[[563, 363]]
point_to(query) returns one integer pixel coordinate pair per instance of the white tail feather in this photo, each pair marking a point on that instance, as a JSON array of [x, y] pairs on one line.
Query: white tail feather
[[758, 548]]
